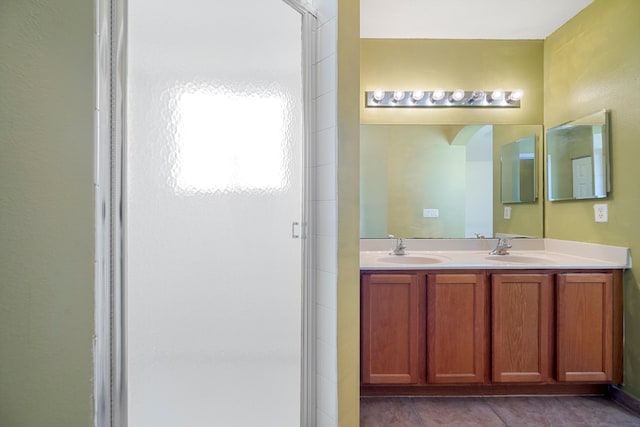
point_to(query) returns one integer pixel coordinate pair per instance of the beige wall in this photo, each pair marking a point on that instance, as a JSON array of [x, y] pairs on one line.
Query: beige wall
[[46, 213], [591, 63], [348, 323]]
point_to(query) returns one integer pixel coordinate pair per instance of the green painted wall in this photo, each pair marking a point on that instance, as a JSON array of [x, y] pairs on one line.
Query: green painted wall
[[590, 63], [405, 169], [46, 213], [408, 64]]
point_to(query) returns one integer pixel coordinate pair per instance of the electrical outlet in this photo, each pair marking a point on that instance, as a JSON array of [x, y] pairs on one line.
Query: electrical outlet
[[601, 212], [507, 212], [431, 213]]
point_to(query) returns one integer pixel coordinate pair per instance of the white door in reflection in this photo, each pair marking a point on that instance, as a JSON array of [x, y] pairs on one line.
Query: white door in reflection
[[214, 134], [582, 173]]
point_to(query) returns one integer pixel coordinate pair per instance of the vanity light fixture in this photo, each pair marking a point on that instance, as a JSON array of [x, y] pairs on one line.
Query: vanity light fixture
[[417, 95], [497, 95], [398, 95], [438, 97], [457, 95], [516, 95]]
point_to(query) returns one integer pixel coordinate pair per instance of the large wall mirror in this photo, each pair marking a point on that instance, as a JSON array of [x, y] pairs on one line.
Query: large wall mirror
[[439, 181], [578, 159]]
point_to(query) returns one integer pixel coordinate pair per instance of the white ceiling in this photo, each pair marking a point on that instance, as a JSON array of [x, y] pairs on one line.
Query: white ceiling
[[465, 19]]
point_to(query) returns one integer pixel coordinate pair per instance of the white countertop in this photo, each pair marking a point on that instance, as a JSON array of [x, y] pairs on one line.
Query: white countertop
[[442, 254]]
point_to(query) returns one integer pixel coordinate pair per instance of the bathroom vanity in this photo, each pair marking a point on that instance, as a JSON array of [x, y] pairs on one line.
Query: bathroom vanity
[[546, 318]]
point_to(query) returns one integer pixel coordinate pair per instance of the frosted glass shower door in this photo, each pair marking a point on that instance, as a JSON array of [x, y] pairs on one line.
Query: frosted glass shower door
[[213, 155]]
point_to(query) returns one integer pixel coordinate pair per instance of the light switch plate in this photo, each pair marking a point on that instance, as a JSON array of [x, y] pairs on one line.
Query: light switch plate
[[430, 213], [507, 212], [601, 212]]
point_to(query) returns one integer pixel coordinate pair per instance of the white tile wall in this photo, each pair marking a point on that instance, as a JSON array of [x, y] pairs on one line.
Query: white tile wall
[[327, 79], [325, 214], [326, 353], [328, 398], [326, 321], [326, 110], [326, 295], [325, 217], [328, 36], [326, 182], [326, 259], [325, 151], [323, 420]]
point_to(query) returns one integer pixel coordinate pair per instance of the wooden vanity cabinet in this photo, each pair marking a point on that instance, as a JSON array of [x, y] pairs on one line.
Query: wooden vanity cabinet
[[392, 328], [400, 343], [504, 330], [589, 323], [457, 329], [522, 321]]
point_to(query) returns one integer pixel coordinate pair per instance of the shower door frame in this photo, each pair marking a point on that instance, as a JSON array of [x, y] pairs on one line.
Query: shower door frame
[[109, 346]]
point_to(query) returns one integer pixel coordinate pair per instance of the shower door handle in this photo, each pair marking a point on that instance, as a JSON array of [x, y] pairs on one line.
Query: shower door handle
[[294, 231]]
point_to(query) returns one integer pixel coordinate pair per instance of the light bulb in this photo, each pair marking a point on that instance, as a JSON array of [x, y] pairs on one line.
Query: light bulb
[[457, 95], [516, 95], [417, 95], [497, 95], [437, 95], [378, 94], [398, 95]]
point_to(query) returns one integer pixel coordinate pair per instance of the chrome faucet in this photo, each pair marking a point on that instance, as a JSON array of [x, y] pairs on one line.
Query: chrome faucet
[[400, 246], [502, 248]]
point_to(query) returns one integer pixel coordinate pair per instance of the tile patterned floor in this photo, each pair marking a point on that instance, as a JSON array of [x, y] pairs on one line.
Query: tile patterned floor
[[557, 411]]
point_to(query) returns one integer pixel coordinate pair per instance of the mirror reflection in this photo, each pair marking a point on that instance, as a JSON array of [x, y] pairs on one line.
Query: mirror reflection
[[518, 171], [578, 159], [439, 181]]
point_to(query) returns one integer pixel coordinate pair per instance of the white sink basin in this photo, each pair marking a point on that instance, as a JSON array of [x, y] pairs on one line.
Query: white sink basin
[[410, 259], [520, 259]]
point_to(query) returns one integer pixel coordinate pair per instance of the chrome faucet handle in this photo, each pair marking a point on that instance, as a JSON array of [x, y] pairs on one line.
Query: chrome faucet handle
[[504, 241], [502, 248], [399, 241], [400, 246]]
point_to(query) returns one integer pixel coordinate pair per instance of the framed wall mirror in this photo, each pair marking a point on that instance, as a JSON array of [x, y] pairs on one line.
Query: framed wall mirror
[[578, 165], [518, 171]]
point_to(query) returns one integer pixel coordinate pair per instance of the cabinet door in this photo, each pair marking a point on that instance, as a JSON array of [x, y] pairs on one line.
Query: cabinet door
[[456, 328], [521, 320], [392, 328], [585, 327]]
